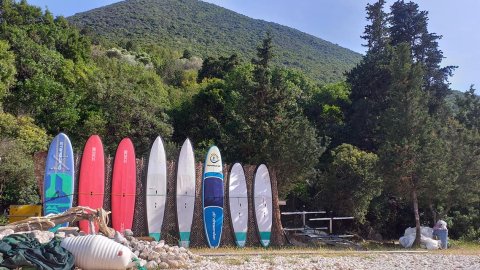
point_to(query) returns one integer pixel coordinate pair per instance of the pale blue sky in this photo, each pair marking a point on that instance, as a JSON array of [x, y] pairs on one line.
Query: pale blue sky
[[342, 22]]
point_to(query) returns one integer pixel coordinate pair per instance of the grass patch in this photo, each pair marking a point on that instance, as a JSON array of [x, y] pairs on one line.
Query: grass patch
[[455, 247], [458, 247], [233, 261]]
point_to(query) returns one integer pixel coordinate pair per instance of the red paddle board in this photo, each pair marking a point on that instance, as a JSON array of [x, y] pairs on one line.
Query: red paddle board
[[123, 186], [91, 183]]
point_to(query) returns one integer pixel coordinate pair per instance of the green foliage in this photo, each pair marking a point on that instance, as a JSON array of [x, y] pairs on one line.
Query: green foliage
[[7, 69], [125, 100], [469, 109], [19, 139], [207, 30], [326, 109], [464, 223], [351, 182], [23, 132], [254, 115], [217, 68], [17, 180]]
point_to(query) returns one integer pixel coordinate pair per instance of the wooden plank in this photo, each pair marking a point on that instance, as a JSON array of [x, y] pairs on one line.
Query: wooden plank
[[303, 213], [303, 229], [323, 218]]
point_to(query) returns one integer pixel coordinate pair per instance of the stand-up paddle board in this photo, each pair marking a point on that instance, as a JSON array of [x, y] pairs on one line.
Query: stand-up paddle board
[[185, 192], [212, 183], [156, 188], [59, 177], [262, 193], [91, 185], [238, 201], [123, 186]]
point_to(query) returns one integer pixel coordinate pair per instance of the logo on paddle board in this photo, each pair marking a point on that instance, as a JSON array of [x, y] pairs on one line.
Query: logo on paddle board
[[60, 155], [214, 158], [214, 221]]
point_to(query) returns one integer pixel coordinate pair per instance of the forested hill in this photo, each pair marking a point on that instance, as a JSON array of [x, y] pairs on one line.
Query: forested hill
[[209, 30]]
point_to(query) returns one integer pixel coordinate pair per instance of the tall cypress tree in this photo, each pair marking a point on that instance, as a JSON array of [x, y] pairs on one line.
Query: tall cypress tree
[[371, 79], [410, 25], [405, 125]]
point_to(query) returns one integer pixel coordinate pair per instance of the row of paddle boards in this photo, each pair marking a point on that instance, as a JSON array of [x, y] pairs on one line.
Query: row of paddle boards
[[59, 187]]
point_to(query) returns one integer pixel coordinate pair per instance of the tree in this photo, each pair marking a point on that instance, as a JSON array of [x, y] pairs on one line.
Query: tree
[[217, 68], [350, 182], [469, 109], [124, 100], [19, 139], [376, 34], [370, 79], [369, 82], [406, 129], [326, 109], [269, 124], [7, 69], [409, 25]]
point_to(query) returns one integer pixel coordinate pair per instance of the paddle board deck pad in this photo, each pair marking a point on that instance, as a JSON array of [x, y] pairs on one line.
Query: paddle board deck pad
[[238, 202], [212, 183], [123, 186], [156, 188], [262, 193], [59, 177], [91, 185], [185, 192]]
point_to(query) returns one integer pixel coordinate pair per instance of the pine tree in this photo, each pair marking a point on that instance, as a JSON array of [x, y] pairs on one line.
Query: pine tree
[[369, 81], [406, 129], [371, 78], [376, 33], [410, 25]]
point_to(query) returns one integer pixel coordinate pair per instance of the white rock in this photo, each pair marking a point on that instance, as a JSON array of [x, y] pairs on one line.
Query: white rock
[[152, 255], [118, 237], [128, 232], [163, 265], [151, 265], [159, 248], [143, 255], [173, 263]]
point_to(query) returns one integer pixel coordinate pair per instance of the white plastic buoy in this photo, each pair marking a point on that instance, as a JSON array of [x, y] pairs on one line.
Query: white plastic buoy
[[98, 252]]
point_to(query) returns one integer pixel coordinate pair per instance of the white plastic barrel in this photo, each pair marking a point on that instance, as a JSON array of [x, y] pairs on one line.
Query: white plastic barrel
[[98, 252]]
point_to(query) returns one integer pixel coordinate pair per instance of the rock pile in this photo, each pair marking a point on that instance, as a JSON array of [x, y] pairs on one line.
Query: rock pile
[[152, 255]]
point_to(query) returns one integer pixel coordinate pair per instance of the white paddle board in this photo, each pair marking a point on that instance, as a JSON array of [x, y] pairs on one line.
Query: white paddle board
[[185, 192], [262, 193], [238, 202], [156, 188]]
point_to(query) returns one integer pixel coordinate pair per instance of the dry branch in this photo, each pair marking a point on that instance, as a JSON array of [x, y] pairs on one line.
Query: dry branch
[[73, 214]]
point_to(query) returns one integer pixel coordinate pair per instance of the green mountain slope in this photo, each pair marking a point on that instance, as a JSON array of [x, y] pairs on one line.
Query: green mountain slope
[[209, 30]]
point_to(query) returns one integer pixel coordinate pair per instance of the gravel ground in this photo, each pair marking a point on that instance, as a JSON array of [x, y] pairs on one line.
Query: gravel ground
[[357, 261]]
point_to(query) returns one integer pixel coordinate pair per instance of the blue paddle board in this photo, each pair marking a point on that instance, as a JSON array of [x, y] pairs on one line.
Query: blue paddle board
[[59, 178], [212, 183]]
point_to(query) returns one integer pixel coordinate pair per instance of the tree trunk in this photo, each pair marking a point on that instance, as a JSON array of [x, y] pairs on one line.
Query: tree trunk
[[417, 217]]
